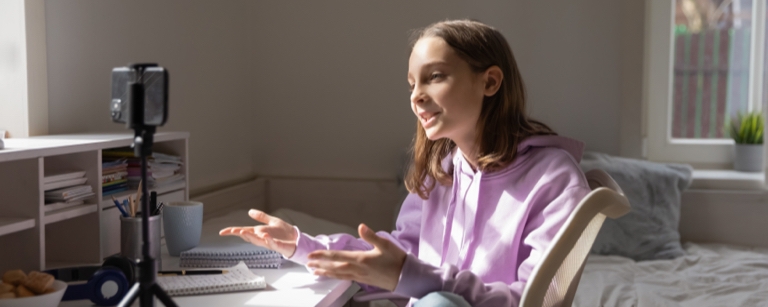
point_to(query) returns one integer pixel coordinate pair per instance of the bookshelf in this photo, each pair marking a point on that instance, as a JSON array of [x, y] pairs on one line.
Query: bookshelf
[[33, 239]]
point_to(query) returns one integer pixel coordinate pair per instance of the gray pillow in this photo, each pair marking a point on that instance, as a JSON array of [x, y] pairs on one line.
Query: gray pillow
[[649, 230]]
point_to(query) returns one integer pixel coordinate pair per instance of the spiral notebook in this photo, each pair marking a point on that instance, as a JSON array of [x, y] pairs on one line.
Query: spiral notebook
[[237, 278], [219, 252]]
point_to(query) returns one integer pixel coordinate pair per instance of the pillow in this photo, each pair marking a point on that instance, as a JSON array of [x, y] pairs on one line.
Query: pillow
[[649, 230]]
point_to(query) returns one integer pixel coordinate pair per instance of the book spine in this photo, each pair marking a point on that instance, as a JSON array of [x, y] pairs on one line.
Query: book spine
[[114, 177]]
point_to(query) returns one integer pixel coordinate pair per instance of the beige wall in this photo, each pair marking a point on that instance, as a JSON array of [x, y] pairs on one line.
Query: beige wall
[[318, 89]]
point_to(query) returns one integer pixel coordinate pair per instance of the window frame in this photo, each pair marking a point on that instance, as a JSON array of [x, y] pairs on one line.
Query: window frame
[[657, 91]]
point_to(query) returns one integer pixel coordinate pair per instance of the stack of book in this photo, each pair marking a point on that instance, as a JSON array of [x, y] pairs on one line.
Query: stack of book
[[165, 169], [66, 189], [114, 176], [162, 170]]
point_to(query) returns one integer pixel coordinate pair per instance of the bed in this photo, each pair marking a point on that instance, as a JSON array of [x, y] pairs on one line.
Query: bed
[[709, 275]]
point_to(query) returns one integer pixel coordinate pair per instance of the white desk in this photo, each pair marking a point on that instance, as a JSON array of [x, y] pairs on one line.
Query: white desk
[[291, 285]]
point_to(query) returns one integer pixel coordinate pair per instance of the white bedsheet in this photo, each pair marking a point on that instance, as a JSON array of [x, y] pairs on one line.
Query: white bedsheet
[[709, 275]]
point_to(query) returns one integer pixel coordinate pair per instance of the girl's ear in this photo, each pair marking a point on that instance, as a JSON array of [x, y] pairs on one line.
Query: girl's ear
[[492, 77]]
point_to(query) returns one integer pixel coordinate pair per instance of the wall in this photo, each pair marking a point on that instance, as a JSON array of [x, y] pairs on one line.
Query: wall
[[204, 44], [318, 89], [336, 77]]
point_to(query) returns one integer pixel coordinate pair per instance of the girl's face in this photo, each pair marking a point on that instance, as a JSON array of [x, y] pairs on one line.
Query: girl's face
[[446, 95]]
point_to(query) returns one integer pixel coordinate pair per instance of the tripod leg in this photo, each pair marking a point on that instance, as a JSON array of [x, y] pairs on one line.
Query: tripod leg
[[130, 297], [162, 296]]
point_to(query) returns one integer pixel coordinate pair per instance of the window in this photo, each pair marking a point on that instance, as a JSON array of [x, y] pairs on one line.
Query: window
[[23, 68], [704, 64]]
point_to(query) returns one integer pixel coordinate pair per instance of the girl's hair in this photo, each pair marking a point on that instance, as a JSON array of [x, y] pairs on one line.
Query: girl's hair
[[503, 121]]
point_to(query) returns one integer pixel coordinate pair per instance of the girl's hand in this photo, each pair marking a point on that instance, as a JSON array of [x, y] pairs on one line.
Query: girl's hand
[[378, 267], [276, 234]]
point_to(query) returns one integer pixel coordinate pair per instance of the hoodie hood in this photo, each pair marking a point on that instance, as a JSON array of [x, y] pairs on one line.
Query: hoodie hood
[[573, 147]]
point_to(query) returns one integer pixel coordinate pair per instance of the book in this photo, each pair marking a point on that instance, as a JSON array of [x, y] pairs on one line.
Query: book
[[69, 198], [237, 278], [116, 176], [62, 205], [64, 183], [115, 182], [113, 169], [69, 191], [272, 262], [170, 179], [162, 174], [63, 176], [217, 252], [115, 191]]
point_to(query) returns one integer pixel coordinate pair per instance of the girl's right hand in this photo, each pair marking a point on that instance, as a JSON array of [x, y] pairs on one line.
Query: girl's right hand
[[276, 234]]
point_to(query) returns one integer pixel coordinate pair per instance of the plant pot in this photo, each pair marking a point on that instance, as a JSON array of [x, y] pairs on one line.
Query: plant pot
[[749, 158]]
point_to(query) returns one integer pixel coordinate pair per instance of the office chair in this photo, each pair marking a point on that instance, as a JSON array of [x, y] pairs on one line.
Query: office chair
[[554, 280]]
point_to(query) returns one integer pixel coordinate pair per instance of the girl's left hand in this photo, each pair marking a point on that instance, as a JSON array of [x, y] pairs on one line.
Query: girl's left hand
[[378, 267]]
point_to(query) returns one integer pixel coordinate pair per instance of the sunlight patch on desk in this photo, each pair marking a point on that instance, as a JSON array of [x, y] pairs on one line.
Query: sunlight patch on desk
[[293, 280], [298, 297]]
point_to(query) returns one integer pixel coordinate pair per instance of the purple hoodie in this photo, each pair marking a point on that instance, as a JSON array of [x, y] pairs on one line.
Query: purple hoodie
[[499, 225]]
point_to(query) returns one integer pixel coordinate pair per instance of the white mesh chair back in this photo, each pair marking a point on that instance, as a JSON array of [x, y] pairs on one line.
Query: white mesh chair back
[[554, 280]]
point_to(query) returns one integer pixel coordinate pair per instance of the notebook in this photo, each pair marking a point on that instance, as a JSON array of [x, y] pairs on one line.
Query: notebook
[[63, 176], [217, 252], [237, 278], [64, 183]]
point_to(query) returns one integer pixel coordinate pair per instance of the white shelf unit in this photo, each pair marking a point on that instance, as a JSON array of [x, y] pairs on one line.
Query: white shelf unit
[[11, 225], [32, 239]]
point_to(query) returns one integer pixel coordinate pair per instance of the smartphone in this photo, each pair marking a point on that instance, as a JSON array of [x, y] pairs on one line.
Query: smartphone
[[155, 81]]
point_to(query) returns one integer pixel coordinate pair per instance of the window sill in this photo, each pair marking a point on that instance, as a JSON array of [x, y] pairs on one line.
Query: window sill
[[727, 180]]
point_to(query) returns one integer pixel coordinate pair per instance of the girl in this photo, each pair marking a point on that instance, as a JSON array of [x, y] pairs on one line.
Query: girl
[[489, 187]]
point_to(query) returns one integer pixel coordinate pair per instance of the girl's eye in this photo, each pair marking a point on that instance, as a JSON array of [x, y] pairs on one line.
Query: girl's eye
[[436, 76]]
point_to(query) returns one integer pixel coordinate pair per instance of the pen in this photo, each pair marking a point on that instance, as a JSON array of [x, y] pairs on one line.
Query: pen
[[127, 207], [153, 203], [159, 209], [192, 272], [138, 197], [119, 207]]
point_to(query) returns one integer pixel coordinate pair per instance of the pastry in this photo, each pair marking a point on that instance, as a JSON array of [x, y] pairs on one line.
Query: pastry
[[5, 288], [38, 282], [14, 277], [22, 291]]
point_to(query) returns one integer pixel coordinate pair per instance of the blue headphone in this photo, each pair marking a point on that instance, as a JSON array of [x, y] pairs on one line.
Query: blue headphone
[[107, 284]]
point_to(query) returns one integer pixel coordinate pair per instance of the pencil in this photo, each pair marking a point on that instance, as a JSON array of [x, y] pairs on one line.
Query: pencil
[[132, 205]]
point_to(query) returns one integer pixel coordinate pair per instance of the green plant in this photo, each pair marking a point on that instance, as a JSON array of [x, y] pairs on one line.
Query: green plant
[[747, 128]]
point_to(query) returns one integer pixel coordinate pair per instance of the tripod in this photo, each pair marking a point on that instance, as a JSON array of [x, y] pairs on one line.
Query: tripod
[[146, 287]]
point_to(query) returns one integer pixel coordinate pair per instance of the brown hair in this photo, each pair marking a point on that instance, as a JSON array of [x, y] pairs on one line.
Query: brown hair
[[503, 121]]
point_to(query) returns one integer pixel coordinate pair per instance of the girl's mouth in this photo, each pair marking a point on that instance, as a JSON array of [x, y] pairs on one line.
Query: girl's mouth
[[428, 119]]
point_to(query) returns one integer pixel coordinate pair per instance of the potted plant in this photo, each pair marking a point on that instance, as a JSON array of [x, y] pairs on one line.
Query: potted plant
[[747, 131]]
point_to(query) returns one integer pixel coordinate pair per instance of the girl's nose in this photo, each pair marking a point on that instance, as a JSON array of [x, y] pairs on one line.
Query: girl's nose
[[417, 95]]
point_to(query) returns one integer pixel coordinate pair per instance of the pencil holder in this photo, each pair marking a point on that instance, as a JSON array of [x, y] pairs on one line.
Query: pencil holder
[[131, 241]]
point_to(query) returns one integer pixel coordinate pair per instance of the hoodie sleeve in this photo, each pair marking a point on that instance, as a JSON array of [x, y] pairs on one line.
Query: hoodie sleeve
[[405, 236], [418, 278]]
